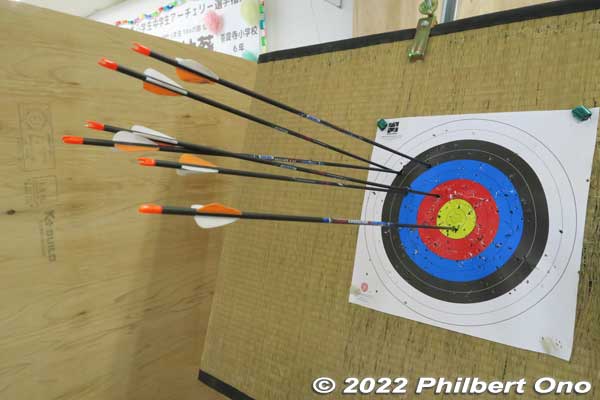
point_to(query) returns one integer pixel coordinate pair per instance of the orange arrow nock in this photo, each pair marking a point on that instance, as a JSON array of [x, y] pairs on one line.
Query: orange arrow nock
[[141, 49], [147, 162], [106, 63], [99, 126], [150, 209], [72, 139]]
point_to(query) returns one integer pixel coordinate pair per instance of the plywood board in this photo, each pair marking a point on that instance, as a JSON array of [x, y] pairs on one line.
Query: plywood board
[[96, 301], [281, 316]]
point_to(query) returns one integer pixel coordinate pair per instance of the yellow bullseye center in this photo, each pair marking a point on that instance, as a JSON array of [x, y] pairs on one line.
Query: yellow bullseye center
[[460, 214]]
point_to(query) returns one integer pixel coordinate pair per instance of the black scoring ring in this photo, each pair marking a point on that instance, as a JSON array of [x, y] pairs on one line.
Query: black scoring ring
[[525, 257]]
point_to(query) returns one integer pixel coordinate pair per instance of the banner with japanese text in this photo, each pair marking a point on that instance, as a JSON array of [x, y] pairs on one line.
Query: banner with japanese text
[[227, 26]]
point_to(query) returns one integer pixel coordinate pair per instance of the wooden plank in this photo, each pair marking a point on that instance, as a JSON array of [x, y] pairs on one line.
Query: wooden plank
[[281, 316], [471, 8], [97, 302], [385, 15], [391, 15]]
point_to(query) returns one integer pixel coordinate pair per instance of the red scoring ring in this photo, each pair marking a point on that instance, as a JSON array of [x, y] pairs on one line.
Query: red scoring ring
[[486, 224]]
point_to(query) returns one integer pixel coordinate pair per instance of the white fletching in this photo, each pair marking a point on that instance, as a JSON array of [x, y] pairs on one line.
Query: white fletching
[[181, 172], [130, 137], [152, 134], [196, 66], [189, 170], [161, 77], [208, 222]]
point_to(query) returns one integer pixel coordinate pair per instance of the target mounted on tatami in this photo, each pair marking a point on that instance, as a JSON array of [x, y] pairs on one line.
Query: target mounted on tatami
[[513, 206]]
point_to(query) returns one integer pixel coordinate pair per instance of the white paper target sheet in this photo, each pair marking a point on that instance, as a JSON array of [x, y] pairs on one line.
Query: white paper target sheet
[[514, 187]]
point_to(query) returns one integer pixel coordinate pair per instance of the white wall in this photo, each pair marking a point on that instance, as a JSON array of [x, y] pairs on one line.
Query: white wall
[[78, 8], [296, 23]]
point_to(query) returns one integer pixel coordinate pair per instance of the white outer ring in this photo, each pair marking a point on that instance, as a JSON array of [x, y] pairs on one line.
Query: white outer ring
[[559, 247]]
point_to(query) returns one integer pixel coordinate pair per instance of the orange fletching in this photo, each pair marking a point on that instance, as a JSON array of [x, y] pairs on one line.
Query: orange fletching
[[193, 160], [217, 208], [131, 148], [190, 76], [159, 90]]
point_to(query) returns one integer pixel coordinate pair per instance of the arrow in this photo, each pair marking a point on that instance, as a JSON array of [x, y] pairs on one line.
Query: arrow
[[141, 144], [131, 143], [160, 84], [149, 136], [215, 215], [189, 164], [109, 128], [194, 72]]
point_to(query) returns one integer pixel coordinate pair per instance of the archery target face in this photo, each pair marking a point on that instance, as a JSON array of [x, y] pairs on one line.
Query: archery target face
[[496, 203], [513, 204]]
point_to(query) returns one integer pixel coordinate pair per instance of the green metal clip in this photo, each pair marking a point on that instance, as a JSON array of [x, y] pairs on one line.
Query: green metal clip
[[419, 46], [382, 124], [582, 113]]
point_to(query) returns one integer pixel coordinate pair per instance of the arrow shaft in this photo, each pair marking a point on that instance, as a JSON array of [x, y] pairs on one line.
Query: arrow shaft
[[280, 128], [110, 143], [223, 153], [170, 210], [260, 175], [312, 162], [205, 150], [226, 153], [242, 114], [115, 129], [200, 149], [282, 106]]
